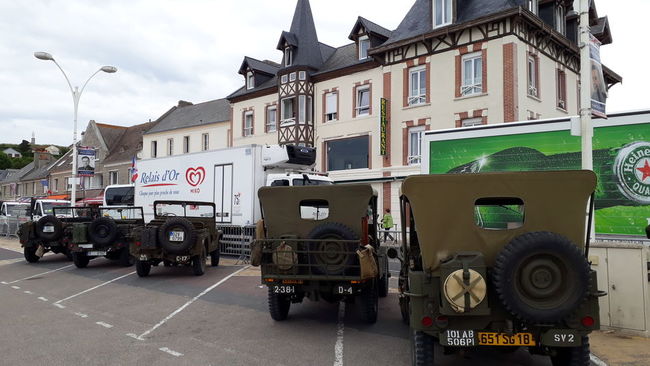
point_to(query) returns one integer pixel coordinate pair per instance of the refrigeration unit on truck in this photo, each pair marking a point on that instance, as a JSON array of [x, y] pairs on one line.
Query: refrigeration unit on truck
[[621, 156], [228, 177]]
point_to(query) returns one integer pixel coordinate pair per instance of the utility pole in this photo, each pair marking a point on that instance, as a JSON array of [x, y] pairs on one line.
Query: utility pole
[[586, 126]]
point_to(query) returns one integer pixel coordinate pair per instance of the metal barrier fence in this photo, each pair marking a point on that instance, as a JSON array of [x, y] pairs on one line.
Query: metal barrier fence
[[236, 241], [9, 225]]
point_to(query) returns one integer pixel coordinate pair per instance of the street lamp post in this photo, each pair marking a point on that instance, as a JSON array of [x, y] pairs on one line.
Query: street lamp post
[[76, 95]]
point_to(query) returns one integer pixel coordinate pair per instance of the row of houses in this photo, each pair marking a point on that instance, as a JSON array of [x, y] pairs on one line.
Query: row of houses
[[363, 105]]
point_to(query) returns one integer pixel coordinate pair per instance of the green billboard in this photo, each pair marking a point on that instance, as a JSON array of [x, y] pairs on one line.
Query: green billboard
[[621, 161]]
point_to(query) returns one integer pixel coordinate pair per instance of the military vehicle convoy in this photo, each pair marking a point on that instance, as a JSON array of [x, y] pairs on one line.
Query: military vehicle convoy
[[499, 260], [320, 242], [110, 235], [55, 233], [181, 233]]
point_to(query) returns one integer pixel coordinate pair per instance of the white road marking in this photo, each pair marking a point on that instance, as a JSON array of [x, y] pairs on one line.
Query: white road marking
[[43, 299], [173, 314], [173, 353], [15, 287], [4, 283], [94, 288], [596, 361], [41, 274], [105, 325], [338, 348], [28, 292], [59, 306], [81, 315], [134, 336]]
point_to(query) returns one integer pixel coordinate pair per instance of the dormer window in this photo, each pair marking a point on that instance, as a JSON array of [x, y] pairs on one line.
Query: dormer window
[[288, 57], [560, 19], [250, 80], [442, 12], [533, 6], [364, 45]]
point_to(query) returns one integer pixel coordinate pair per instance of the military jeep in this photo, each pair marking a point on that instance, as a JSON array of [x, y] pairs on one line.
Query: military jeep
[[108, 235], [320, 242], [181, 233], [55, 233], [499, 260]]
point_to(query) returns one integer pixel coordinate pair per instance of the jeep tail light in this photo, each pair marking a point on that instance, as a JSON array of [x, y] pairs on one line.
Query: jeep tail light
[[442, 321], [427, 321], [137, 243], [588, 321]]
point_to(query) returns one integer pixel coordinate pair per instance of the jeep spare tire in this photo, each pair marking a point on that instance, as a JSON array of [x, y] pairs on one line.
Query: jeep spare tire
[[541, 277], [332, 257], [103, 231], [177, 235], [49, 228]]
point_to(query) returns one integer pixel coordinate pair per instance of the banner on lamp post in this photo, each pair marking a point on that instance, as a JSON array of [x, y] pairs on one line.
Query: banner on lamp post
[[86, 162], [598, 85]]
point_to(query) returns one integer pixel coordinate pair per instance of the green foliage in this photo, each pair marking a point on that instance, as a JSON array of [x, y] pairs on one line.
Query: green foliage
[[5, 161], [24, 147], [63, 150], [19, 163]]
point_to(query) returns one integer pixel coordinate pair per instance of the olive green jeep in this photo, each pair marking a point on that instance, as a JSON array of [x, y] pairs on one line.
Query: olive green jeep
[[55, 233], [499, 260], [181, 233], [320, 242], [108, 235]]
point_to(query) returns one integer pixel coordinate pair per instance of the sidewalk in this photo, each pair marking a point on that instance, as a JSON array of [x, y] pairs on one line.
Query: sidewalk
[[620, 350]]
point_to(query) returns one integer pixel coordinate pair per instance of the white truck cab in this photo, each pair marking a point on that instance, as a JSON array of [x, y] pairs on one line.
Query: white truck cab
[[44, 207]]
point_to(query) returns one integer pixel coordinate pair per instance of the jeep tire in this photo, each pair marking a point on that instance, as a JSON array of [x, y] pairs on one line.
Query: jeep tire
[[49, 221], [369, 302], [541, 277], [180, 224], [422, 346], [198, 265], [572, 356], [80, 259], [103, 231], [142, 268], [214, 258], [330, 262], [279, 305], [30, 254]]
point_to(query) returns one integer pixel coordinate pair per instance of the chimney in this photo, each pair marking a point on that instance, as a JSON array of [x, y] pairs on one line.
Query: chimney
[[183, 103]]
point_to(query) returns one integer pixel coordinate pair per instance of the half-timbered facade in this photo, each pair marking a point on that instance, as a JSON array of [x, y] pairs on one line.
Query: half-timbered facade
[[449, 64]]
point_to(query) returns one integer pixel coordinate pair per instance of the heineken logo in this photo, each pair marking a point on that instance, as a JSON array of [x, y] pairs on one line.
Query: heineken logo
[[633, 171]]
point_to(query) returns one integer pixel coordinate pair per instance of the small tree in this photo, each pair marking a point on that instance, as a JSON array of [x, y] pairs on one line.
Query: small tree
[[24, 147], [5, 161]]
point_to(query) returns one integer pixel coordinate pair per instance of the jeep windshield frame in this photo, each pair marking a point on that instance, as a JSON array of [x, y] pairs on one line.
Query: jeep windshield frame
[[77, 212], [180, 209], [133, 214]]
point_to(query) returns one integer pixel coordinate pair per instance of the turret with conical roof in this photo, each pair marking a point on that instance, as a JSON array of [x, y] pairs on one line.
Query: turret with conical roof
[[301, 44]]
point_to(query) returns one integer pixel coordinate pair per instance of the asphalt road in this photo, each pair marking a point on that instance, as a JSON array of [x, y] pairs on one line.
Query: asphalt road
[[53, 313]]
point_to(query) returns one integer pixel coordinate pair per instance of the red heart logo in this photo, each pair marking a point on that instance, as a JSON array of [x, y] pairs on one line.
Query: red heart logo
[[195, 176]]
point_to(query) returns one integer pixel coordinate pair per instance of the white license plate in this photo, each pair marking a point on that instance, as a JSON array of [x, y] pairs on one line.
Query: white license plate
[[459, 338], [176, 236], [48, 229], [343, 290], [86, 246], [182, 258], [96, 254], [143, 257], [284, 289]]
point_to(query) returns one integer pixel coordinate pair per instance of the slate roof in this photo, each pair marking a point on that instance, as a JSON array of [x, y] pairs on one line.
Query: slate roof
[[307, 50], [370, 27], [193, 115], [266, 66], [129, 144], [5, 173], [17, 175], [341, 58], [110, 133]]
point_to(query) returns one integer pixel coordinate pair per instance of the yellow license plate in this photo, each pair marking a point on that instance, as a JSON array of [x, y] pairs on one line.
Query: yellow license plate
[[502, 339]]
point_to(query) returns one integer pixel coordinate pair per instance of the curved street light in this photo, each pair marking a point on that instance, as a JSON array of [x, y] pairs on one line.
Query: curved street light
[[76, 96]]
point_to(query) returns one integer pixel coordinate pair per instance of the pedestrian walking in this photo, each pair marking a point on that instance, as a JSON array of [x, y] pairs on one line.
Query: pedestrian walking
[[387, 224]]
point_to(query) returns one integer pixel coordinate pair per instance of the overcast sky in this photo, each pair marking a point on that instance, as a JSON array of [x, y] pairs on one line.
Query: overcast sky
[[167, 50]]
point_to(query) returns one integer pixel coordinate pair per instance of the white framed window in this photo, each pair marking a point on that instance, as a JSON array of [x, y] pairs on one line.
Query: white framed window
[[288, 57], [302, 75], [560, 19], [469, 122], [113, 177], [532, 76], [533, 6], [442, 12], [415, 148], [417, 85], [284, 79], [287, 112], [248, 124], [304, 109], [364, 46], [331, 106], [154, 149], [472, 74], [186, 144], [271, 119], [363, 101], [292, 76], [250, 80], [170, 147], [205, 142]]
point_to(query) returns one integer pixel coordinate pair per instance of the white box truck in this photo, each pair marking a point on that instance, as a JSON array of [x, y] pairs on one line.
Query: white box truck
[[228, 177]]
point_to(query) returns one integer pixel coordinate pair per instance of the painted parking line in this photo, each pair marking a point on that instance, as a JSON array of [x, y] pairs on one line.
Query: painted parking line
[[175, 312], [94, 288], [59, 306], [43, 298], [596, 361], [168, 351], [81, 315], [15, 287], [338, 347], [105, 325], [28, 292], [41, 274]]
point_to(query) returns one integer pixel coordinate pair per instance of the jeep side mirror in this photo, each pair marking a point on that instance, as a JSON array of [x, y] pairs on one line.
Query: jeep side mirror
[[392, 253], [647, 231]]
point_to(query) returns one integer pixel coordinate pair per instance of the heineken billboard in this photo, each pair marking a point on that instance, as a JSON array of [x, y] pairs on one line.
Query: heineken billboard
[[621, 160]]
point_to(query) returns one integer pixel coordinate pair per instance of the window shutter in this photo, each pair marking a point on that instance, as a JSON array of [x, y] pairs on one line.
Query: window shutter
[[330, 100]]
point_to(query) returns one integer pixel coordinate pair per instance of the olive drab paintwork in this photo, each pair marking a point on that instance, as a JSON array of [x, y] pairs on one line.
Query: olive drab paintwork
[[443, 206]]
